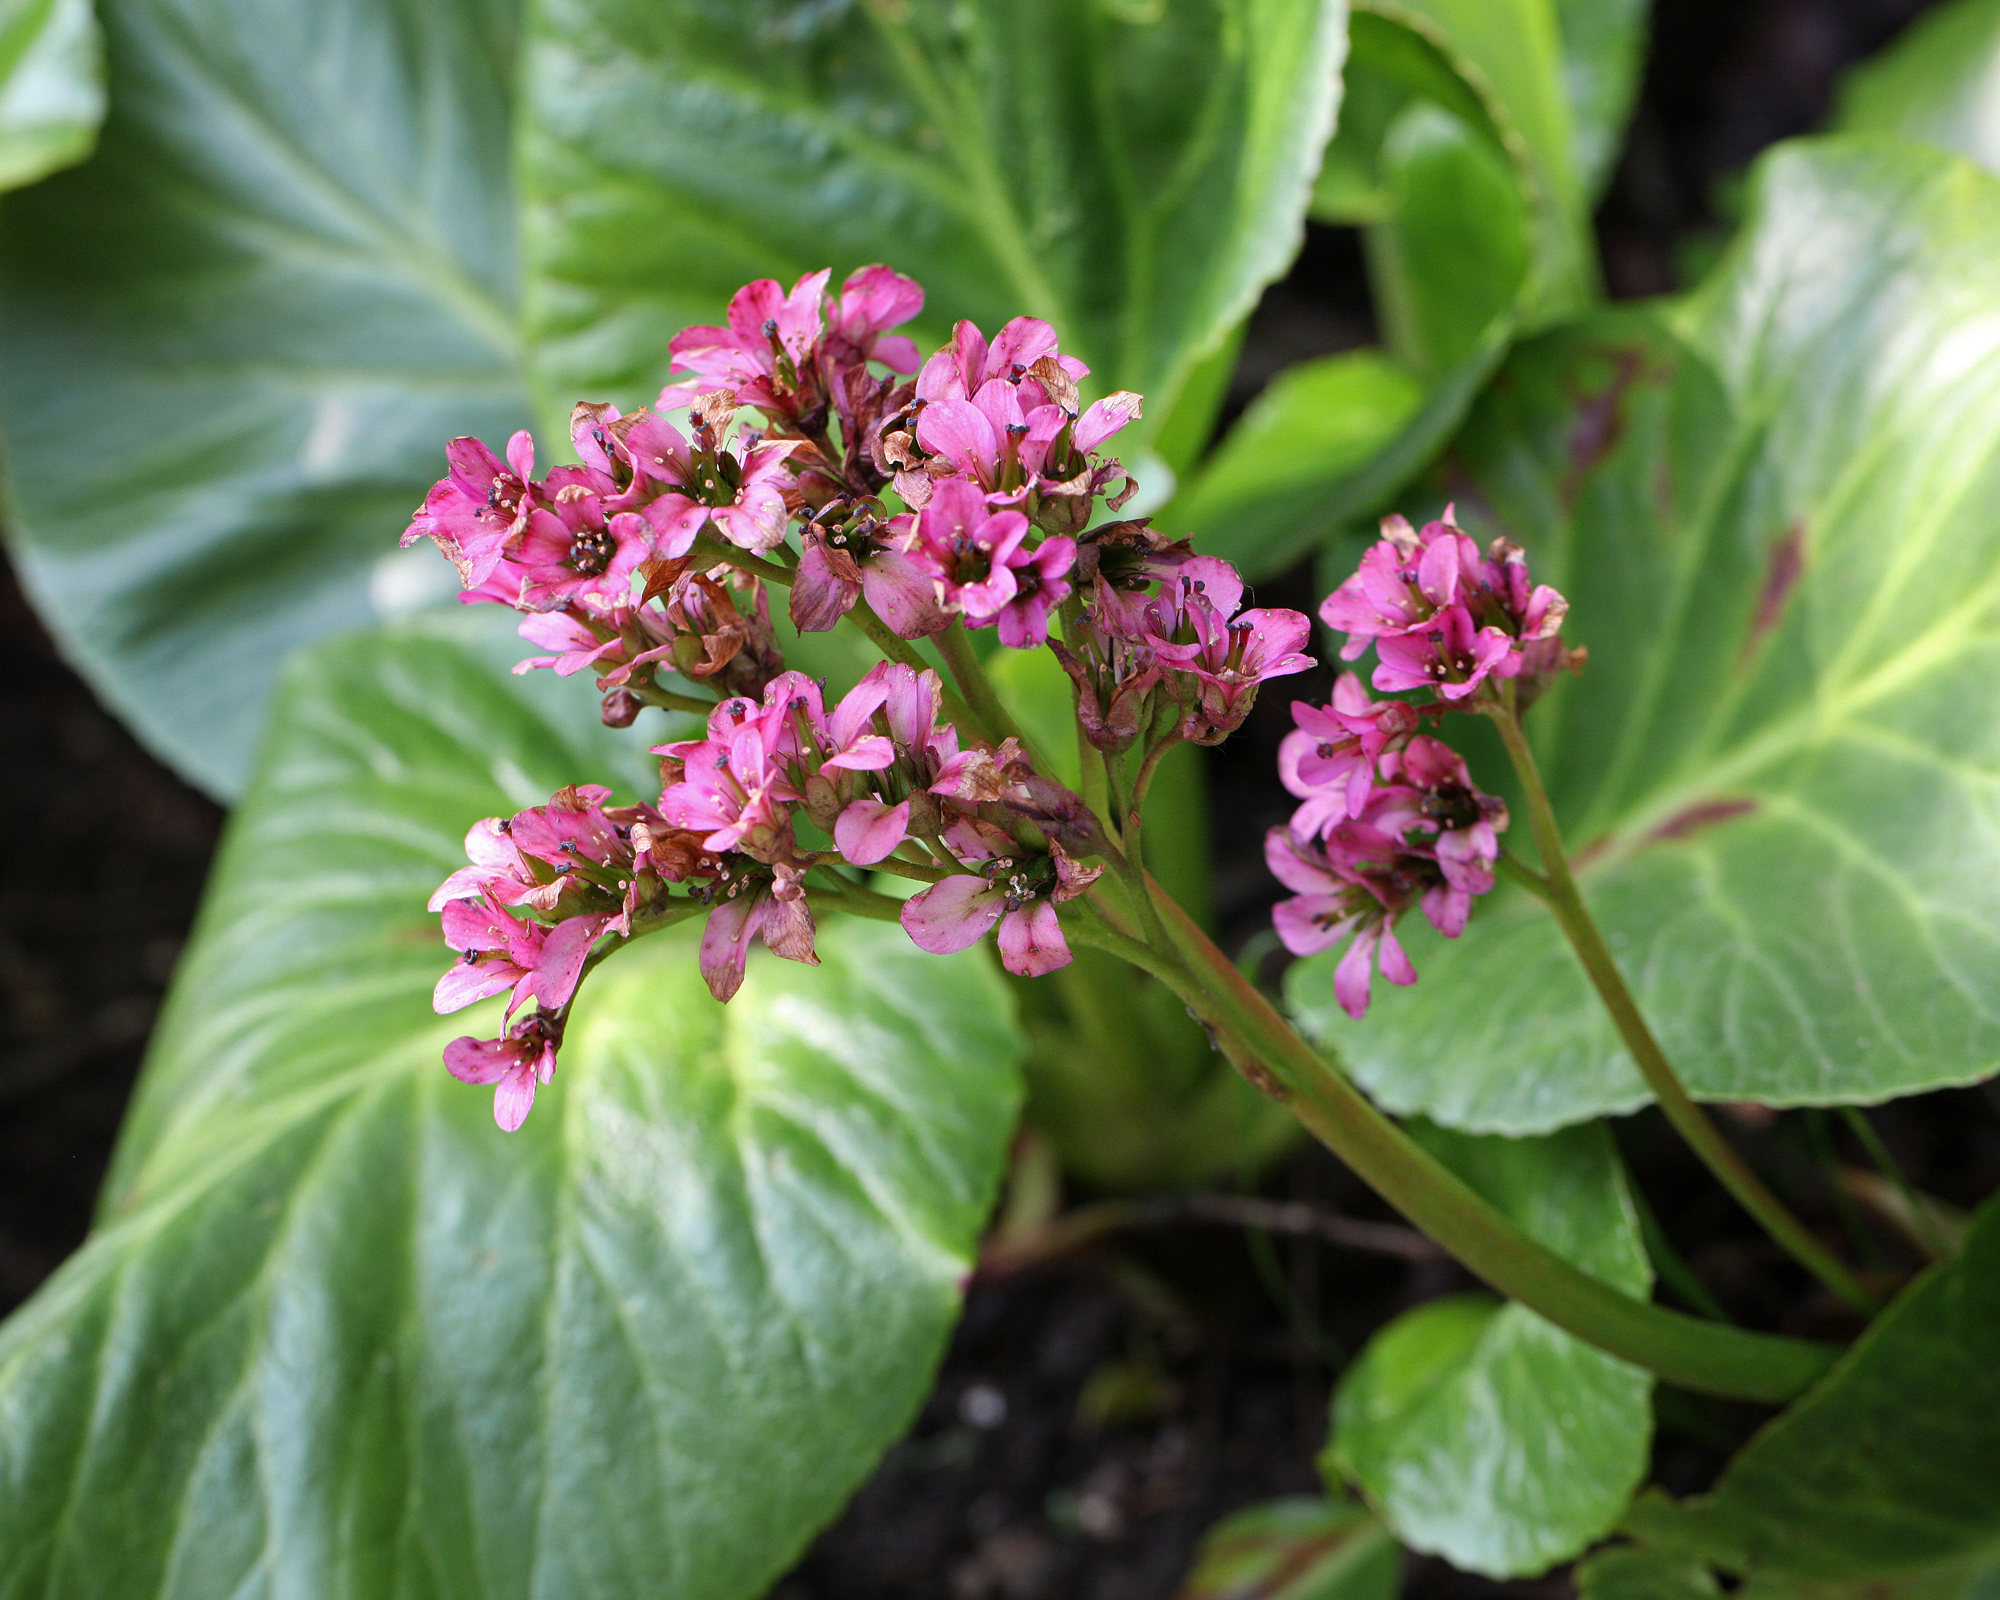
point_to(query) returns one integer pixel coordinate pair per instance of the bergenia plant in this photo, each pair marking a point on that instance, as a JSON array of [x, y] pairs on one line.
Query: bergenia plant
[[804, 457]]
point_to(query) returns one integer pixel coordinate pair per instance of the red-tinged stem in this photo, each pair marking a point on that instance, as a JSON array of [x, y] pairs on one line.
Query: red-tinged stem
[[1556, 885], [1696, 1354]]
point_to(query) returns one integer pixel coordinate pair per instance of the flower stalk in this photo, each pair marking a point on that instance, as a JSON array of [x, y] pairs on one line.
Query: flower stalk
[[1557, 887]]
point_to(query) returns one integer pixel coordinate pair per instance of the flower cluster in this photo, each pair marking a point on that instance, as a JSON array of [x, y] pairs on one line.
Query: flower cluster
[[540, 890], [1389, 817], [956, 493], [1445, 618]]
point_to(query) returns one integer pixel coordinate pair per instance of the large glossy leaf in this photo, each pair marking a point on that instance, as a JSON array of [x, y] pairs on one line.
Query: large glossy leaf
[[1769, 507], [1481, 1432], [1266, 496], [1459, 159], [51, 87], [1939, 82], [1885, 1471], [337, 1336], [1135, 175], [233, 344]]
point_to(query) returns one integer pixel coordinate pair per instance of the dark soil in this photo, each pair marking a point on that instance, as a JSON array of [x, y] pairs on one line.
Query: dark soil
[[1095, 1413]]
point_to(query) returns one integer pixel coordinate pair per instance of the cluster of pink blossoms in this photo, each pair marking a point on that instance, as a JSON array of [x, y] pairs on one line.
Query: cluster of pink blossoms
[[1389, 817], [648, 562]]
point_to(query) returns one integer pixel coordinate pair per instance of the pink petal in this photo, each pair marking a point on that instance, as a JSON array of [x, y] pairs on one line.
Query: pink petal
[[514, 1097], [960, 432], [467, 981], [1100, 421], [561, 965], [1309, 924], [1395, 964], [521, 454], [1022, 343], [869, 830], [725, 945], [951, 915], [902, 594], [1032, 942], [480, 1060], [1353, 978]]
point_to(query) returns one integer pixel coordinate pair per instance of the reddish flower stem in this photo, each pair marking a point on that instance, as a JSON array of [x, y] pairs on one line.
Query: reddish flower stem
[[1556, 885], [1711, 1357]]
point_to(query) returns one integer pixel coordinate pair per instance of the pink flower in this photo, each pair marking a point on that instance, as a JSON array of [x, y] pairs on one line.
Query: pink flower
[[735, 487], [1429, 791], [1446, 618], [1041, 583], [495, 869], [871, 825], [516, 1062], [770, 905], [472, 514], [731, 787], [843, 561], [873, 300], [961, 367], [1019, 896], [1444, 654], [971, 551], [764, 356], [497, 952], [571, 553], [1329, 761], [1193, 628], [1332, 902]]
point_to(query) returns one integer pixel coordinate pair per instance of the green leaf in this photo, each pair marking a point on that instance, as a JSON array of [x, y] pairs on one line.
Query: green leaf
[[1626, 1572], [1452, 255], [1884, 1471], [51, 87], [1135, 175], [336, 1335], [1265, 496], [233, 344], [1479, 1431], [1295, 1549], [1939, 82], [1768, 506], [1603, 51], [1456, 153]]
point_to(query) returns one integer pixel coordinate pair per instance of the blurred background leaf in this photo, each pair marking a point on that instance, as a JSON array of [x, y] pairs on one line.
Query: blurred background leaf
[[1133, 175], [1939, 82], [233, 344], [51, 87]]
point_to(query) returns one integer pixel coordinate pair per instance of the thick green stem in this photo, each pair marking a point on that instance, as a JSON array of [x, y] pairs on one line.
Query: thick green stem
[[989, 717], [654, 694], [1689, 1120], [1685, 1350]]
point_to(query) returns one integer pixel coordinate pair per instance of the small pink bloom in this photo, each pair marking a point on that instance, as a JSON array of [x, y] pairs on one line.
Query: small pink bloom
[[873, 300], [497, 952], [480, 507], [768, 906], [1445, 654], [516, 1063], [970, 550], [1041, 583], [1329, 761], [1330, 904], [1019, 897]]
